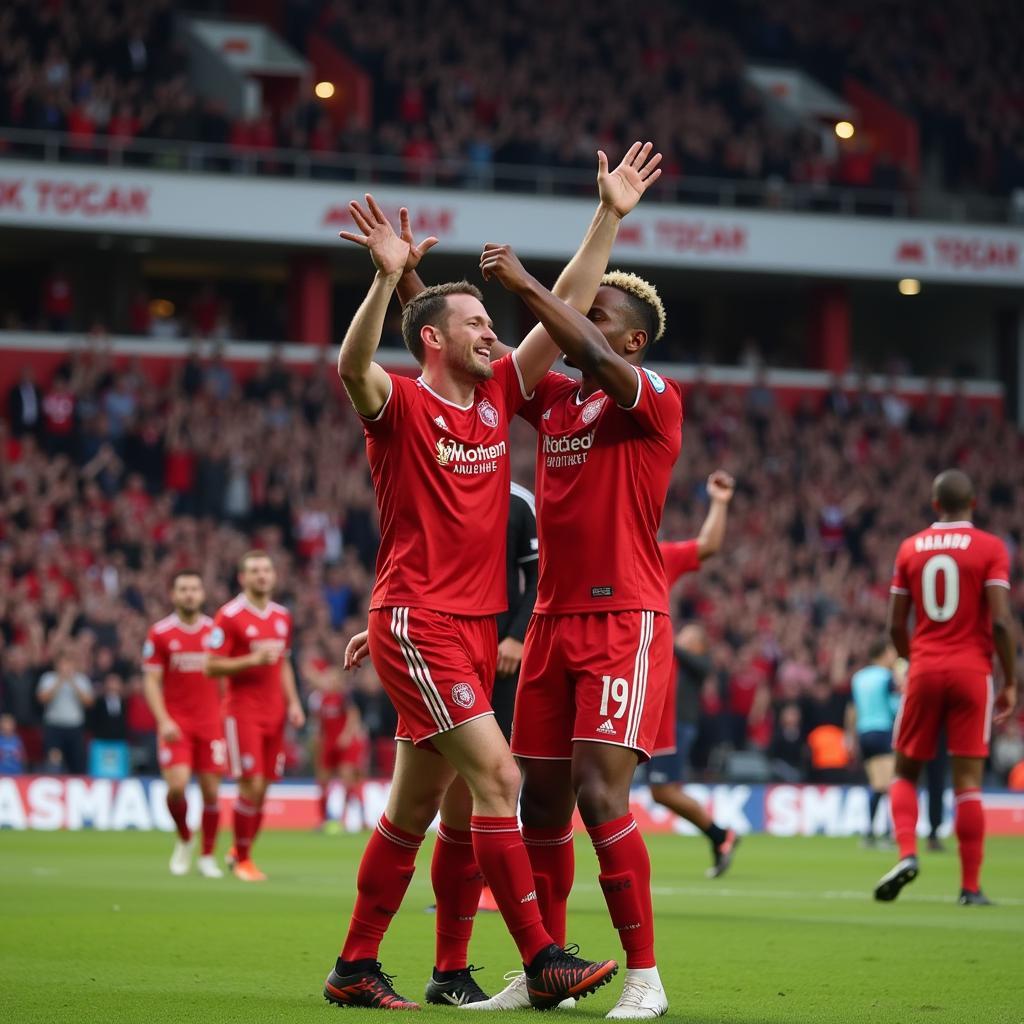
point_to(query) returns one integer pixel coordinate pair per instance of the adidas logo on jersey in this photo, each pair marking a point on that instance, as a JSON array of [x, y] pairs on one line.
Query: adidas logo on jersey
[[530, 897], [439, 420], [547, 415], [606, 728]]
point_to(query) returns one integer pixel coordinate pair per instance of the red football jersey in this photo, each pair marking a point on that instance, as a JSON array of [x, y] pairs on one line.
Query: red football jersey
[[945, 570], [602, 476], [680, 557], [179, 652], [442, 477], [240, 628], [331, 710]]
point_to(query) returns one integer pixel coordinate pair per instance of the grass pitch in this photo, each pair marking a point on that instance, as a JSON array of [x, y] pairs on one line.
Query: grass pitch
[[95, 929]]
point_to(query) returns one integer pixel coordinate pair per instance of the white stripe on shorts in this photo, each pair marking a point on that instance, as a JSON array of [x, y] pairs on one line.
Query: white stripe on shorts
[[639, 688], [418, 670]]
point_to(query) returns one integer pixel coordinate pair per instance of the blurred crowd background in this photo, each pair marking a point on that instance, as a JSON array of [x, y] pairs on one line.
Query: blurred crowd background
[[109, 482]]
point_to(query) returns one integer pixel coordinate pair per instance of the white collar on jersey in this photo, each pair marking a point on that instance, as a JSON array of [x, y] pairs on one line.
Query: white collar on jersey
[[441, 398], [964, 524], [184, 627], [264, 614]]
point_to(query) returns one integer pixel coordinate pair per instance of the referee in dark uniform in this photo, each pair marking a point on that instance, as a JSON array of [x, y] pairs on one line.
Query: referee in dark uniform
[[521, 577]]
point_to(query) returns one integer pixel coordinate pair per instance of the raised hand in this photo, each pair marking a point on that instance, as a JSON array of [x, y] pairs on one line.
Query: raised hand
[[502, 264], [620, 190], [721, 486], [416, 250], [389, 252]]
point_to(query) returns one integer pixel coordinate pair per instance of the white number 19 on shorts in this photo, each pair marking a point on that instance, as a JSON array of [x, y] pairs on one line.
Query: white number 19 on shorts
[[617, 690]]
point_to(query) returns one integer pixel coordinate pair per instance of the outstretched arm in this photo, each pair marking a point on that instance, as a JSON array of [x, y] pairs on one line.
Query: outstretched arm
[[721, 488], [366, 382], [571, 331], [619, 190]]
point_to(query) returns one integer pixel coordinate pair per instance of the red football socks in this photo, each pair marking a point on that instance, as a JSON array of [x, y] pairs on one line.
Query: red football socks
[[969, 822], [505, 864], [324, 790], [457, 884], [178, 806], [903, 804], [211, 821], [385, 872], [626, 882], [554, 864], [245, 828]]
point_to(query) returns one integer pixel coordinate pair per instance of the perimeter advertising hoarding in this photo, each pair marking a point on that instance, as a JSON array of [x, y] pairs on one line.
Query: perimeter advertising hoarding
[[49, 803]]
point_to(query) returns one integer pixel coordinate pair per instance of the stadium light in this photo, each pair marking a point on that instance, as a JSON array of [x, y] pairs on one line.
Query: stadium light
[[844, 129], [324, 90], [161, 308], [909, 286]]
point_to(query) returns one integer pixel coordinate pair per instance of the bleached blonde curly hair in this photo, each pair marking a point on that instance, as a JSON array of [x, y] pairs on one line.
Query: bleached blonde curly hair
[[644, 292]]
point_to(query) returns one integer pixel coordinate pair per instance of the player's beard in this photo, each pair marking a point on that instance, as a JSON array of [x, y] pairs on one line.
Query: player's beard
[[468, 363]]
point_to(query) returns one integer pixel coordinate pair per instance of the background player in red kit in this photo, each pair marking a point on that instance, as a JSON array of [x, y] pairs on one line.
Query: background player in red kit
[[438, 453], [666, 770], [251, 644], [186, 705], [957, 579], [342, 748], [599, 647]]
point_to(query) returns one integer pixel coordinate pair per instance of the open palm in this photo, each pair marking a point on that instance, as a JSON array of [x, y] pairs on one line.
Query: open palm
[[621, 189], [389, 252]]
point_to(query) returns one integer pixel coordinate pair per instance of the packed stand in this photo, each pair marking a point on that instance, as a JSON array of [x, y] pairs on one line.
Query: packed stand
[[476, 87], [109, 482], [955, 68]]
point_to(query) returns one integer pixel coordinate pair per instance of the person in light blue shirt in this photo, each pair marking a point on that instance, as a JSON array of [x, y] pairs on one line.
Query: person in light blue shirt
[[870, 719]]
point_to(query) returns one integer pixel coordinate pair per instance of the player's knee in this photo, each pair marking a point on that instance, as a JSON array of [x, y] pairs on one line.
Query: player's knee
[[599, 800], [497, 786]]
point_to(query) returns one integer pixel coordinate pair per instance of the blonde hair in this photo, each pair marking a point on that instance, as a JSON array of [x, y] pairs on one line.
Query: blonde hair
[[648, 299]]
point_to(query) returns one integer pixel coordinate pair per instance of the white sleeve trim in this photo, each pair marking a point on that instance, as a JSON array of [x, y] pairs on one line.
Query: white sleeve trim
[[898, 590], [519, 377], [375, 419], [639, 390], [529, 558], [998, 583]]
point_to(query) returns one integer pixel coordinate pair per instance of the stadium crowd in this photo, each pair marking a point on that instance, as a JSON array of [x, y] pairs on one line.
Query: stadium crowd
[[483, 85], [110, 481]]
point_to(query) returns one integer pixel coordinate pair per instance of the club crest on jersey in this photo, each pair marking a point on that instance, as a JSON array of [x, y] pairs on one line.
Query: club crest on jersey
[[656, 382], [487, 413], [280, 627], [463, 695], [215, 638], [591, 411]]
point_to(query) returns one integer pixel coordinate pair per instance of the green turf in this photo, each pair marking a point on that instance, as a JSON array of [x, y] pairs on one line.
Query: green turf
[[94, 929]]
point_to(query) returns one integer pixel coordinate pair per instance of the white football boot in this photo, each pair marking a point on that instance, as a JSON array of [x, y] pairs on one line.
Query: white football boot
[[513, 997], [643, 996], [181, 858], [208, 868]]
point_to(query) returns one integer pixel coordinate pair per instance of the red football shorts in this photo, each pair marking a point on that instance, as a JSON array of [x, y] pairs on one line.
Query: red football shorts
[[959, 698], [665, 740], [203, 750], [255, 748], [598, 678], [437, 669], [333, 757]]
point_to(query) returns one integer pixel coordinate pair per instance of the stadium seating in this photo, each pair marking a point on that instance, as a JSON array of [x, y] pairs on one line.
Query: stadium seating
[[195, 471], [540, 86]]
